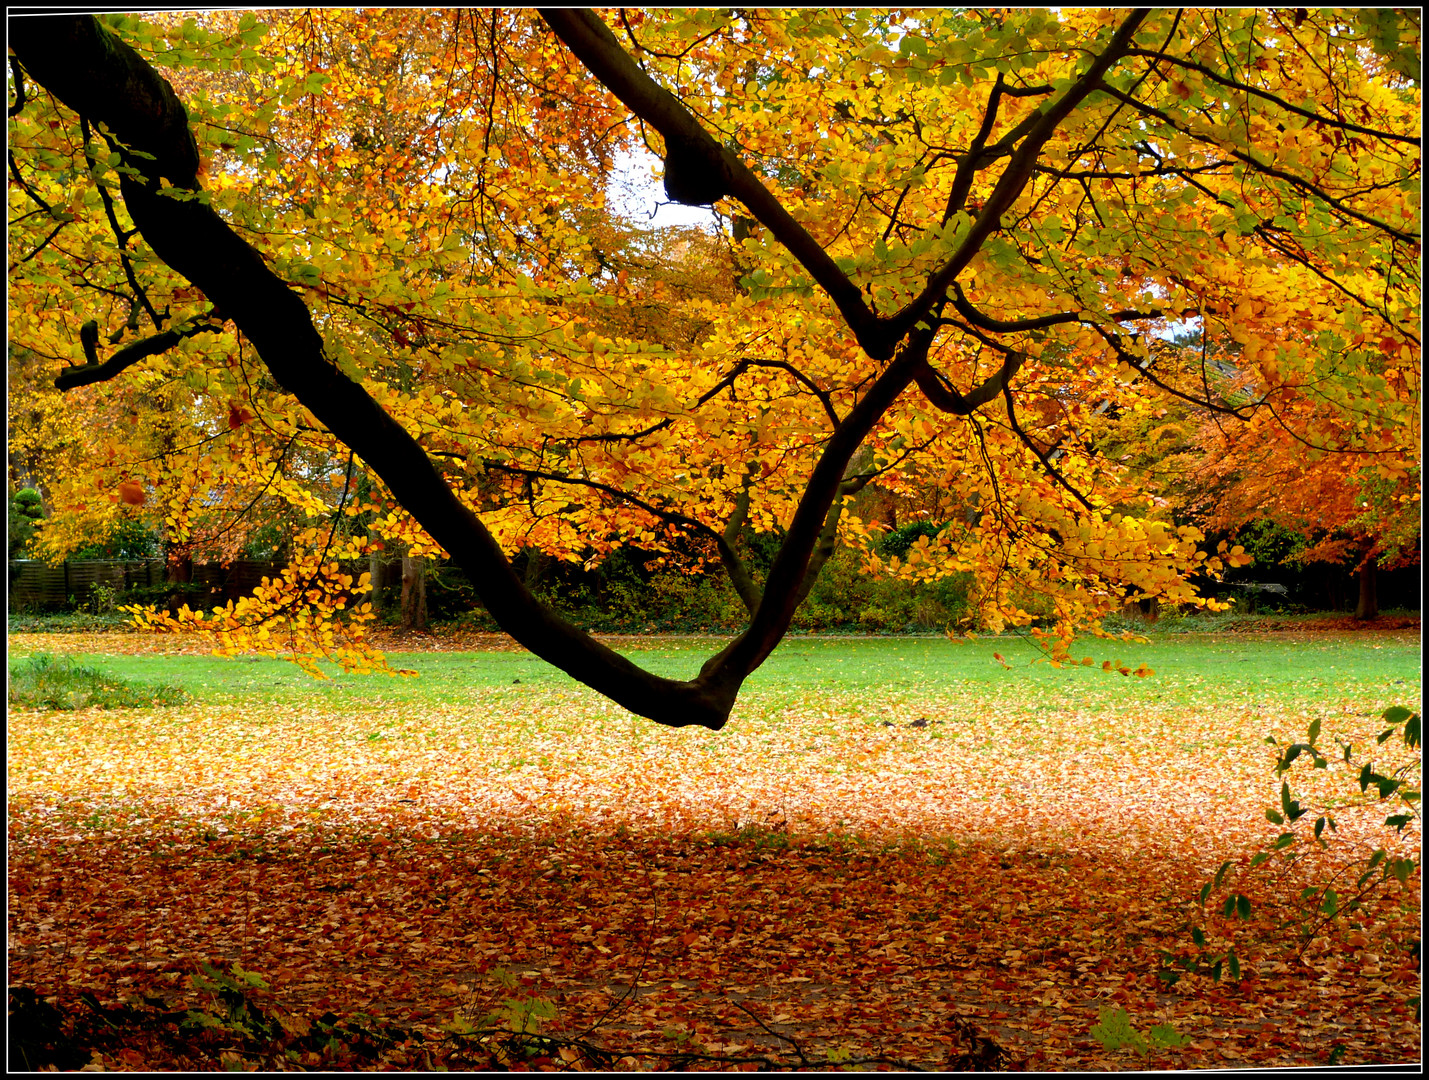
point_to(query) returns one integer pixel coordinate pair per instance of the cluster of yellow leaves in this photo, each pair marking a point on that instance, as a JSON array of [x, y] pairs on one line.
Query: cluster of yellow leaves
[[312, 610]]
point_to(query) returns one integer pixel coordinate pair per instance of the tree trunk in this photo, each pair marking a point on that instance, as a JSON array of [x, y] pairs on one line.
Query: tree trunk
[[178, 566], [535, 566], [375, 578], [1368, 606], [414, 593], [178, 570]]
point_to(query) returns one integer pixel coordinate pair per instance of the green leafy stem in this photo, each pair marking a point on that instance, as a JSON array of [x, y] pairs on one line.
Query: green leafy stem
[[1321, 904]]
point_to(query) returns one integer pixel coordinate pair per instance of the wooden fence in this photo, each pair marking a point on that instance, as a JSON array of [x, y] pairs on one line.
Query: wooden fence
[[35, 585]]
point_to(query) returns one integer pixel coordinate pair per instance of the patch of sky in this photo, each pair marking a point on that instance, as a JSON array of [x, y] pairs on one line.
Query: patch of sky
[[636, 193]]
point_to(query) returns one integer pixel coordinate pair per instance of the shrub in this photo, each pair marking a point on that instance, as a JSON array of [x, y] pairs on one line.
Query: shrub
[[66, 622], [1270, 544], [25, 511], [845, 596], [898, 541], [622, 595], [696, 602], [128, 538], [449, 594]]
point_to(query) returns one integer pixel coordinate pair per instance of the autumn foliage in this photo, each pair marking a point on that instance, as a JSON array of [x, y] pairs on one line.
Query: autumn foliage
[[321, 246]]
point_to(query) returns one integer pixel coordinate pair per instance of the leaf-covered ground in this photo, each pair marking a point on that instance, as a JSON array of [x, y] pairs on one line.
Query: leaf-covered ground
[[891, 837]]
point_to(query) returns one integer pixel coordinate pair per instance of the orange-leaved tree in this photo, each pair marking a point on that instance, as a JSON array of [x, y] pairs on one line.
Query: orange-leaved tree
[[1347, 480], [954, 242]]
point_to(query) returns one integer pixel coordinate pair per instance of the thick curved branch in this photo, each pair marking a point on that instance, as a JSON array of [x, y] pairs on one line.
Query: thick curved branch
[[97, 75], [739, 575], [90, 70], [829, 534], [977, 157], [593, 43], [942, 396], [788, 572], [101, 371]]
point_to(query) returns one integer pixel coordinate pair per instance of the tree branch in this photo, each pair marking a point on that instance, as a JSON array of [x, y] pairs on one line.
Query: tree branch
[[1052, 470], [787, 574], [942, 396], [101, 371], [1297, 182], [121, 237], [91, 70], [44, 243], [115, 83], [1014, 178], [19, 179], [1232, 84], [1012, 326], [20, 99], [828, 535], [805, 381], [697, 152], [738, 573]]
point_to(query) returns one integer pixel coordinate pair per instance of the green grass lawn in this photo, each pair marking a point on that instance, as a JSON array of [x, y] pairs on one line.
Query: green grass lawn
[[879, 675]]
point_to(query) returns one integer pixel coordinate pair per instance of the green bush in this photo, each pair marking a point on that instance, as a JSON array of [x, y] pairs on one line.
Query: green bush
[[898, 541], [1270, 544], [449, 594], [845, 596], [25, 511], [128, 538], [688, 602], [57, 682], [66, 622]]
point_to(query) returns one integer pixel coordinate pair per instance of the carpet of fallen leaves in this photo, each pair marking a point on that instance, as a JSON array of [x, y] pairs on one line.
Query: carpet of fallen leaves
[[859, 888]]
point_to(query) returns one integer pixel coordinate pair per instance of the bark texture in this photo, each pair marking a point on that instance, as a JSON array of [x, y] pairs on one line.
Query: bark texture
[[414, 593]]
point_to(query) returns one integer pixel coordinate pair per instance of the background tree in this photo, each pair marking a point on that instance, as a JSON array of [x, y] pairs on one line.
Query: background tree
[[961, 237], [1361, 509]]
